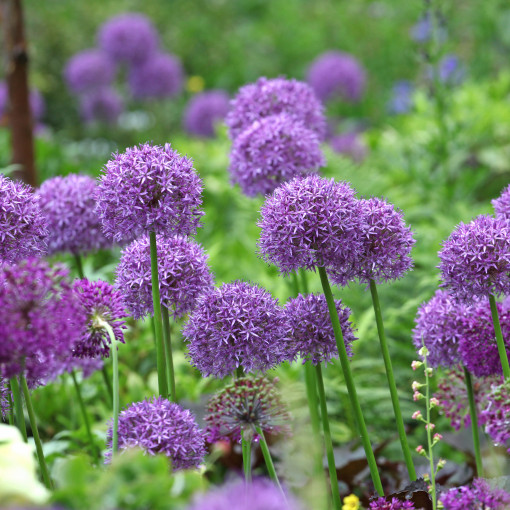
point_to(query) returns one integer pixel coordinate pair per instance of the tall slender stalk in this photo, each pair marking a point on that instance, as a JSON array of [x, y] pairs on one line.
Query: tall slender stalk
[[35, 433], [79, 265], [108, 384], [11, 408], [85, 415], [499, 338], [246, 448], [116, 396], [474, 423], [18, 407], [349, 381], [267, 458], [328, 443], [391, 382], [429, 438], [170, 372], [158, 324]]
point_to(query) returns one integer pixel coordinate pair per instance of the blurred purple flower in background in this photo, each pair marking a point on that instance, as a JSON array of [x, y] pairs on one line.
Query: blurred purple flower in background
[[89, 70], [183, 275], [102, 105], [160, 426], [402, 98], [268, 97], [310, 329], [149, 188], [204, 111], [451, 71], [23, 228], [36, 102], [128, 37], [160, 75], [350, 145], [337, 74], [496, 414], [236, 325], [273, 150], [87, 366], [502, 205], [67, 204]]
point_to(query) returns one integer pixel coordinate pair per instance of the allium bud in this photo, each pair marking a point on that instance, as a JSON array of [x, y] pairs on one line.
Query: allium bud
[[430, 426], [433, 402], [416, 385], [441, 463], [417, 415], [417, 396], [416, 364]]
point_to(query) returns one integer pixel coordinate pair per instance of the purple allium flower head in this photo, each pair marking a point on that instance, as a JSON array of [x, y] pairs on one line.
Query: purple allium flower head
[[273, 150], [496, 414], [36, 102], [204, 110], [394, 504], [236, 325], [5, 398], [39, 318], [87, 366], [439, 327], [149, 188], [477, 346], [244, 404], [160, 426], [22, 225], [161, 75], [402, 97], [89, 70], [479, 496], [102, 105], [502, 205], [350, 145], [453, 398], [386, 243], [311, 331], [67, 204], [335, 73], [183, 275], [309, 222], [100, 303], [129, 37], [475, 259], [268, 97], [261, 494]]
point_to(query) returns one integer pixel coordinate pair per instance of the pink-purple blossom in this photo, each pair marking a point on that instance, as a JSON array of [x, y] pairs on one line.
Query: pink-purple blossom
[[495, 415], [273, 150], [268, 97], [149, 188], [204, 111], [236, 325], [159, 426], [182, 269], [502, 205], [89, 70], [480, 495], [101, 105]]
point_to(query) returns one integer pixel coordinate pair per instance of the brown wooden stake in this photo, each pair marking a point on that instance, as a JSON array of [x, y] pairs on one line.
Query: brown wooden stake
[[19, 112]]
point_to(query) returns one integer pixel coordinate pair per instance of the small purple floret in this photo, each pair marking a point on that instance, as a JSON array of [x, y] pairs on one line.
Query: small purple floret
[[67, 204], [183, 275], [502, 205], [268, 97], [402, 97], [102, 105], [311, 331], [480, 495], [273, 150], [23, 228], [236, 325], [89, 70], [475, 259], [204, 111], [394, 504], [146, 189], [337, 74], [160, 426]]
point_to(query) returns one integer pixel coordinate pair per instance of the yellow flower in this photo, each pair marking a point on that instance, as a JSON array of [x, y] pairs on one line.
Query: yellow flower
[[351, 502], [195, 84]]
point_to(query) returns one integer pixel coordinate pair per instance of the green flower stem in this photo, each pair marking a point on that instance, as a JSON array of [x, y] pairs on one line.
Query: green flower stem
[[170, 372], [35, 432], [295, 284], [108, 384], [246, 448], [349, 381], [328, 443], [313, 403], [429, 440], [79, 265], [160, 346], [95, 452], [11, 408], [239, 372], [304, 281], [18, 407], [267, 457], [474, 423], [499, 338], [391, 382], [116, 402]]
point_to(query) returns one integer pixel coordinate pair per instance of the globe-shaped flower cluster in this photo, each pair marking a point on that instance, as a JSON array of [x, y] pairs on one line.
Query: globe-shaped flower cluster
[[502, 205], [146, 189], [479, 495], [203, 112], [23, 228], [89, 70], [68, 205], [160, 426], [104, 105], [311, 331], [236, 325], [183, 275], [496, 414]]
